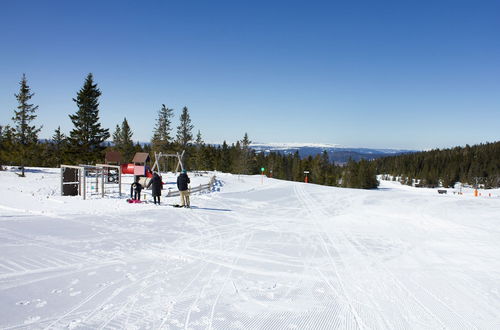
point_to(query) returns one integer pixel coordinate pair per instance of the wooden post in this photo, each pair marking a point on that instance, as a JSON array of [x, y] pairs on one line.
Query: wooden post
[[102, 182], [84, 188], [120, 181], [62, 180]]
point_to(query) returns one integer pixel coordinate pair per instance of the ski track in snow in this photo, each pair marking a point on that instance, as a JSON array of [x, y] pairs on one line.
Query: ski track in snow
[[277, 255]]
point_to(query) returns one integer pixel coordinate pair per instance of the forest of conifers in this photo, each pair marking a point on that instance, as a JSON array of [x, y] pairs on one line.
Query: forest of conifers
[[88, 141], [478, 164]]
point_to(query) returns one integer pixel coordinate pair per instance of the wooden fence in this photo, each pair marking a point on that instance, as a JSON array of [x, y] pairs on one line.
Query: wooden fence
[[201, 187]]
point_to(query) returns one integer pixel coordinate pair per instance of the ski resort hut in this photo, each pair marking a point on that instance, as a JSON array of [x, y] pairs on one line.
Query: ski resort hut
[[113, 158], [141, 161]]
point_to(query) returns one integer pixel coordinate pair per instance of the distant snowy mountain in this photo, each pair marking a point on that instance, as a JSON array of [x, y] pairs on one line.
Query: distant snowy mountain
[[339, 154]]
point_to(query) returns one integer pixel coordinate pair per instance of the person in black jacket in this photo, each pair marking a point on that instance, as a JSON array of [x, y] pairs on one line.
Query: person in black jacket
[[135, 190], [157, 186], [182, 184]]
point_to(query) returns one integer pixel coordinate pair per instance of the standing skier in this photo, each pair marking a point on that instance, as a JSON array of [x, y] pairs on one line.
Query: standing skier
[[157, 186], [182, 184]]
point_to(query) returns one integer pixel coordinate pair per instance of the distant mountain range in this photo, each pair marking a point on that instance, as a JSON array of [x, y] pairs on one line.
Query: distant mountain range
[[339, 154]]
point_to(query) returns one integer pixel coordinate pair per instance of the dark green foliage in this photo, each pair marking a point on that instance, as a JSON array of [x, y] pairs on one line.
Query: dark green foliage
[[87, 138], [122, 138], [6, 145], [367, 175], [225, 156], [448, 166], [184, 130], [25, 135], [58, 147], [162, 139], [86, 143], [231, 159], [245, 155]]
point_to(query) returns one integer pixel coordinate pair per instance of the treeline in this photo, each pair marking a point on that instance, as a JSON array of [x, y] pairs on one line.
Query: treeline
[[87, 143], [239, 158], [478, 164]]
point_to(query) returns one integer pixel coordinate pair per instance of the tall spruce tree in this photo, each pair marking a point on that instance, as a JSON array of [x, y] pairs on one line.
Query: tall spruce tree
[[58, 146], [199, 140], [225, 161], [184, 130], [117, 135], [245, 155], [200, 152], [126, 145], [297, 174], [6, 144], [367, 176], [162, 139], [87, 137], [25, 134]]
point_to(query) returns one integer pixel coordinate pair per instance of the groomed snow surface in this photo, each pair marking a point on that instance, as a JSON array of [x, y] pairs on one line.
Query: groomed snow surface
[[264, 254]]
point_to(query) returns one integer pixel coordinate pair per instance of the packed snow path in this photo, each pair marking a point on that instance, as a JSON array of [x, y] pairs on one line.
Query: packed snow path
[[277, 255]]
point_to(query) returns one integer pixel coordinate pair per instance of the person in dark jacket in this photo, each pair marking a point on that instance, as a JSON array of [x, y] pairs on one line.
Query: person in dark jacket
[[182, 184], [135, 190], [157, 186]]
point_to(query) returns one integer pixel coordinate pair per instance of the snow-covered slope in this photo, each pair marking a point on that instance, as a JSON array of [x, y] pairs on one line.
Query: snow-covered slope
[[255, 254]]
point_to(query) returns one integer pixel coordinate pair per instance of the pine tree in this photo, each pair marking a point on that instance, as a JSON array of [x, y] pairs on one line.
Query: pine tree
[[367, 178], [87, 137], [25, 135], [297, 172], [199, 156], [184, 130], [126, 143], [245, 143], [161, 137], [225, 155], [117, 135], [245, 155], [199, 141], [350, 178], [6, 144], [59, 145], [122, 139]]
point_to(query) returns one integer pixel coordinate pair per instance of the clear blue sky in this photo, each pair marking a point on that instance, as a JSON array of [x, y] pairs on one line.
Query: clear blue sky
[[405, 74]]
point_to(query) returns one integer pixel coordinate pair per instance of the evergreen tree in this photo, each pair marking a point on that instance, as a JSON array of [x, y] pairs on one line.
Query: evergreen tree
[[199, 156], [184, 130], [245, 155], [236, 158], [199, 141], [25, 135], [297, 171], [59, 145], [58, 138], [86, 139], [122, 138], [117, 135], [161, 137], [350, 178], [139, 148], [367, 178], [6, 144], [225, 155]]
